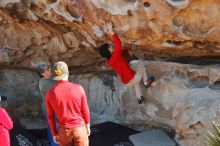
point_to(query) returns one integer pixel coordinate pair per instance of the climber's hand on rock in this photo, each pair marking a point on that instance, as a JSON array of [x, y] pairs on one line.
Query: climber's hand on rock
[[110, 28]]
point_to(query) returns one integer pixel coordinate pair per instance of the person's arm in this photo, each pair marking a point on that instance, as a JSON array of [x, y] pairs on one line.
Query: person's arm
[[117, 44], [115, 38], [85, 109], [5, 120], [51, 115], [51, 120], [40, 88]]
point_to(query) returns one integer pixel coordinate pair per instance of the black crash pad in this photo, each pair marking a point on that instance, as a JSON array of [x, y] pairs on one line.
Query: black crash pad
[[104, 134], [19, 136], [110, 134]]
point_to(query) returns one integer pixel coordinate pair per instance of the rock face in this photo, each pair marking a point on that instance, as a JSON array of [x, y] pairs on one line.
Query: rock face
[[21, 87], [34, 31], [184, 98]]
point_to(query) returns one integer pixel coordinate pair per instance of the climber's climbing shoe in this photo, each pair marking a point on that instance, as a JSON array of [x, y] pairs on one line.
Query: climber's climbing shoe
[[148, 82]]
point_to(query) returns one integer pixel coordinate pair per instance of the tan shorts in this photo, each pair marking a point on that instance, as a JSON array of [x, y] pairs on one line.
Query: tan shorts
[[73, 136], [139, 68]]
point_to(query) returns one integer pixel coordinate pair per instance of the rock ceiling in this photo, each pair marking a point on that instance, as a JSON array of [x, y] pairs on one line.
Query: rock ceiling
[[34, 31]]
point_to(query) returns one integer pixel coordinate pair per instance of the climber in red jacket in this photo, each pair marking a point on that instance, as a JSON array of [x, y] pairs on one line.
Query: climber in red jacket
[[130, 75], [6, 124]]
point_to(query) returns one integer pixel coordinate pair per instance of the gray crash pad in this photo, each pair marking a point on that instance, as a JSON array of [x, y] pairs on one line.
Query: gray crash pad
[[152, 138]]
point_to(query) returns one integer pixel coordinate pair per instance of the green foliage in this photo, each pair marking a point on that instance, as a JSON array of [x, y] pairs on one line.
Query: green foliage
[[213, 136]]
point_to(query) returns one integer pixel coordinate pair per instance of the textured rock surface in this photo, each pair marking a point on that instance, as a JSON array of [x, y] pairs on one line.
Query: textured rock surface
[[24, 104], [184, 98], [33, 31]]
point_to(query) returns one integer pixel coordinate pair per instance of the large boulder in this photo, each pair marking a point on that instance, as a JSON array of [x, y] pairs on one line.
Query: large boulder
[[184, 98]]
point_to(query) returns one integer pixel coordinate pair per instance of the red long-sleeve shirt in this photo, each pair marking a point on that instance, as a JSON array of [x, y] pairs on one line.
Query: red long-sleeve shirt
[[118, 63], [68, 101], [6, 124]]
